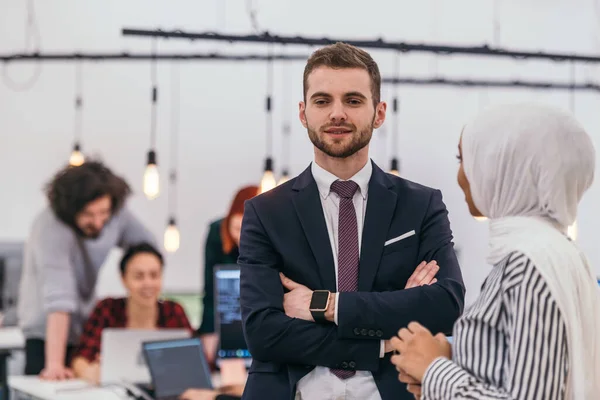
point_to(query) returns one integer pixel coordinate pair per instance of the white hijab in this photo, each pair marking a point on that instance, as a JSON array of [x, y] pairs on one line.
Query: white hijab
[[528, 167]]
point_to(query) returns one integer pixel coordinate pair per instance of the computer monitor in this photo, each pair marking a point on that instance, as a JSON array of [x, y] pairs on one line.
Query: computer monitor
[[176, 365], [228, 314]]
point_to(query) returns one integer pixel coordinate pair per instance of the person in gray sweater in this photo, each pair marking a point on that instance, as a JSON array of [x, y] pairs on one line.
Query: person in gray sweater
[[68, 243]]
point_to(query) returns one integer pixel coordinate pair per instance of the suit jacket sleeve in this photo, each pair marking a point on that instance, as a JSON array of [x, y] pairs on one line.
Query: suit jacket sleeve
[[435, 306], [271, 335]]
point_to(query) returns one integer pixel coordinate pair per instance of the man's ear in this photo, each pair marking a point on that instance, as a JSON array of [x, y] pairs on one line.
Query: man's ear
[[302, 113], [380, 112]]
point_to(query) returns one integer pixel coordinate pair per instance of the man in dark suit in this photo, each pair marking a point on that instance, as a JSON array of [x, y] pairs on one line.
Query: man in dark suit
[[328, 259]]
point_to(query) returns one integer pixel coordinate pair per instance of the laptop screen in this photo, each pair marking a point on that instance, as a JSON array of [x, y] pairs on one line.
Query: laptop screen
[[228, 315], [177, 365]]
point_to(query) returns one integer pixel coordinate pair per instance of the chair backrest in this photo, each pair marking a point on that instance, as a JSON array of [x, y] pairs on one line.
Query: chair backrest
[[11, 265]]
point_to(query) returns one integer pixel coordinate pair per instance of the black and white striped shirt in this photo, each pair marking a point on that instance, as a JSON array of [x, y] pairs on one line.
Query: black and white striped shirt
[[510, 344]]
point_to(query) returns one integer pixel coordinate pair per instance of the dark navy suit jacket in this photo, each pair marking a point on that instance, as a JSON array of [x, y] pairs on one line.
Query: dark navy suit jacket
[[284, 230]]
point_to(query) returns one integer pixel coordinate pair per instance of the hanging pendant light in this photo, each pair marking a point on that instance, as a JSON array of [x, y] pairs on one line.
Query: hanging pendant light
[[286, 128], [483, 101], [285, 175], [395, 163], [77, 158], [395, 167], [171, 239], [171, 236], [151, 176], [268, 179]]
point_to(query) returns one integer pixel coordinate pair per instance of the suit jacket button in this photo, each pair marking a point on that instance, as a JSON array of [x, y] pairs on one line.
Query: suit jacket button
[[363, 332], [344, 364], [352, 364], [371, 332], [356, 331], [379, 333]]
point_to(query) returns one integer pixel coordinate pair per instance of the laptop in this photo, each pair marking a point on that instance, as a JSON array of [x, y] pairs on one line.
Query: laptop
[[121, 357], [176, 366], [228, 315]]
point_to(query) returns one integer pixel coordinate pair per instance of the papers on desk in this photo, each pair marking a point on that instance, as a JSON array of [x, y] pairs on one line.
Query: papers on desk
[[11, 338], [74, 389]]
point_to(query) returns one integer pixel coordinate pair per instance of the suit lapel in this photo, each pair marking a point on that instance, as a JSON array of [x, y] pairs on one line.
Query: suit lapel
[[310, 212], [381, 204]]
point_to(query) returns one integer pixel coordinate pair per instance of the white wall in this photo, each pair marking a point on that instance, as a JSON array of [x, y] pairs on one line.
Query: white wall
[[222, 114]]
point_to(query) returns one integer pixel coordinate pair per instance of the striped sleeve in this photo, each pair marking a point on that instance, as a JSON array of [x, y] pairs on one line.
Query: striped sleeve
[[537, 362]]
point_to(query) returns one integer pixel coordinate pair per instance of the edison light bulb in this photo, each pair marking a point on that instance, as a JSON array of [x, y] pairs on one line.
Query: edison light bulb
[[480, 218], [395, 172], [267, 182], [151, 182], [572, 231], [171, 237], [151, 178], [77, 157]]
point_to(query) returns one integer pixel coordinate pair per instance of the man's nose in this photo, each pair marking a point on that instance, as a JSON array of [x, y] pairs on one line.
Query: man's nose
[[338, 112]]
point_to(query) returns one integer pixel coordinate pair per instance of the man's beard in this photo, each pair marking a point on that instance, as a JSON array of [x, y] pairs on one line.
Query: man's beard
[[357, 143], [88, 232]]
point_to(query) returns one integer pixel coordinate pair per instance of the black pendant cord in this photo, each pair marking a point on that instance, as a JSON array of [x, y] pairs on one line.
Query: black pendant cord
[[154, 99], [269, 107], [78, 128], [286, 128], [396, 117], [175, 115]]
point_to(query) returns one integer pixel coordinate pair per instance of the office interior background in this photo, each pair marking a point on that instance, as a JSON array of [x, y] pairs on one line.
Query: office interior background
[[218, 112]]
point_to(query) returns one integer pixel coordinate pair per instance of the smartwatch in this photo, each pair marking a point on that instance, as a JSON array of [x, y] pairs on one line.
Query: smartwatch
[[319, 304]]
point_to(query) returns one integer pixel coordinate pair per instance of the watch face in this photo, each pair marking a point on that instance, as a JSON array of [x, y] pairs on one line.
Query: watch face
[[319, 300]]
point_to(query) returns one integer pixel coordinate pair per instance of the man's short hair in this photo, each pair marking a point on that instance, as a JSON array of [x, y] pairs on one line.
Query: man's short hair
[[342, 55]]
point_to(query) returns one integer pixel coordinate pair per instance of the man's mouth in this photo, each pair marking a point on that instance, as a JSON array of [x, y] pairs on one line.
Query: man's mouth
[[338, 131]]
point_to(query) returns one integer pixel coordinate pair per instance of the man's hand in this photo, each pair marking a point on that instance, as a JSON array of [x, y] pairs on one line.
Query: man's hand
[[423, 275], [296, 302], [56, 372]]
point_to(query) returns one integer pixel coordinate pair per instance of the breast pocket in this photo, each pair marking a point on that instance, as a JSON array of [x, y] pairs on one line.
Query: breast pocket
[[401, 244], [397, 264]]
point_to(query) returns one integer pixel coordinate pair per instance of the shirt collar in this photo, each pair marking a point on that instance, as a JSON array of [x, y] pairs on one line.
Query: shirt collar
[[325, 178]]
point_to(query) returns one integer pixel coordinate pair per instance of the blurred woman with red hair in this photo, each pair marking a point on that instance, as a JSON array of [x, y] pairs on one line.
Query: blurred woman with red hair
[[221, 247]]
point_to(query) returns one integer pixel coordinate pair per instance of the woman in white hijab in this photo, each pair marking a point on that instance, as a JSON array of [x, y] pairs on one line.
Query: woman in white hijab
[[534, 331]]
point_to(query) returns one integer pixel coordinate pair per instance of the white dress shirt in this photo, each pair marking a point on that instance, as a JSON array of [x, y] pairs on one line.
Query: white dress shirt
[[320, 383]]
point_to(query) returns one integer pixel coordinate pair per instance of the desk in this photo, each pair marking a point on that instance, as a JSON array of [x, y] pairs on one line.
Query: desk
[[11, 338], [74, 389]]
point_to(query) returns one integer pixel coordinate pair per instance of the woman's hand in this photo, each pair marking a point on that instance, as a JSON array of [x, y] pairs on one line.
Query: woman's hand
[[418, 348], [88, 371], [413, 386]]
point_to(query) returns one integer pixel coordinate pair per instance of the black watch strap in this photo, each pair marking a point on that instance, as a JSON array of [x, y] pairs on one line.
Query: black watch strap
[[318, 316]]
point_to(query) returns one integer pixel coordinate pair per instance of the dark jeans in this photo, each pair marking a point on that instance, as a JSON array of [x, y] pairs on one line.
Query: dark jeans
[[35, 356]]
